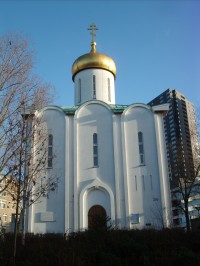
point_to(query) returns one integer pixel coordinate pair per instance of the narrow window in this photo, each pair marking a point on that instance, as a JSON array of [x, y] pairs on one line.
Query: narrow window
[[79, 90], [141, 147], [151, 180], [50, 151], [94, 87], [135, 182], [143, 182], [95, 150], [109, 98]]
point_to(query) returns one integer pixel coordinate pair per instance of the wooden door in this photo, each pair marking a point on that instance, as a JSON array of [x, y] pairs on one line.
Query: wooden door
[[96, 217]]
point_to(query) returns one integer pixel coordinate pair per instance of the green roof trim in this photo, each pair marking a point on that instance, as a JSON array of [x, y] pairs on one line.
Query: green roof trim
[[70, 110], [116, 108]]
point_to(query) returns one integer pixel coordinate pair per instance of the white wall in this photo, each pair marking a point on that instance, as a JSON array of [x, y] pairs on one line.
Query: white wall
[[142, 180], [94, 117], [86, 77], [48, 213], [120, 183]]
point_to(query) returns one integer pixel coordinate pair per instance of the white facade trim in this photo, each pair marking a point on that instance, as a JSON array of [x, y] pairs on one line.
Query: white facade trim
[[98, 185], [162, 162], [89, 103]]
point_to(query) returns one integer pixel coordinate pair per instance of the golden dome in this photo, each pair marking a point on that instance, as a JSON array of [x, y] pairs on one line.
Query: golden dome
[[93, 60]]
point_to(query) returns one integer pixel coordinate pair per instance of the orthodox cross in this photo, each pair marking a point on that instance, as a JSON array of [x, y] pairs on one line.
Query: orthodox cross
[[93, 27]]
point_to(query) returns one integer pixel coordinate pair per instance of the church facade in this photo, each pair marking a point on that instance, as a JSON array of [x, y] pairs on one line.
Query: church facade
[[110, 159]]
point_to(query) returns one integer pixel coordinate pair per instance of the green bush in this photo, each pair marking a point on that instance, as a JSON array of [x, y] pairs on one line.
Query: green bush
[[101, 247]]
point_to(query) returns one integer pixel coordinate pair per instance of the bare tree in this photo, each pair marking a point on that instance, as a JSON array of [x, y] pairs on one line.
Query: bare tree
[[159, 216], [186, 182], [18, 88], [31, 163], [21, 94]]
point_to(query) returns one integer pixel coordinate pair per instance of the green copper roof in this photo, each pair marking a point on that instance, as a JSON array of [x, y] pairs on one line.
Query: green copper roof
[[69, 110], [117, 109]]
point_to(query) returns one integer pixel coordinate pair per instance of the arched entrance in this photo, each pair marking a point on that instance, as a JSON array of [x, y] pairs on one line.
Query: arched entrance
[[96, 217]]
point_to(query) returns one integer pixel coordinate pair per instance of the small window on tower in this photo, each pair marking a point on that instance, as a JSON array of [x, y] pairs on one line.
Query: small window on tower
[[94, 87], [79, 90], [109, 96]]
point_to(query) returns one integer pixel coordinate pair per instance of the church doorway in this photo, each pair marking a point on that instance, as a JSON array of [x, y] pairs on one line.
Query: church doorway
[[97, 217]]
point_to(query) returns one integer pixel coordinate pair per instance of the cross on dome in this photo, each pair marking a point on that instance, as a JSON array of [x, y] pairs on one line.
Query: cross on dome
[[92, 28], [93, 59]]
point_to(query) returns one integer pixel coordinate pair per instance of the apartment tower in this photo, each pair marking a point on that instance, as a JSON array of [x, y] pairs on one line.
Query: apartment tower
[[180, 133]]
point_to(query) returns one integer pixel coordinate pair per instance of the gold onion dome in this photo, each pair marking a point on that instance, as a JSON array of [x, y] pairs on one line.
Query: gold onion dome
[[93, 60]]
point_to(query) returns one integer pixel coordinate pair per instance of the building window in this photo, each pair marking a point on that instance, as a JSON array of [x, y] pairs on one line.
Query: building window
[[177, 221], [94, 87], [141, 147], [3, 193], [79, 90], [151, 180], [135, 182], [5, 218], [2, 204], [135, 218], [50, 151], [109, 96], [95, 150], [143, 182], [3, 180]]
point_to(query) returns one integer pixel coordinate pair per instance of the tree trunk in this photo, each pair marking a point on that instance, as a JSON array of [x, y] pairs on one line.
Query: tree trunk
[[187, 216], [23, 226], [16, 228], [18, 196]]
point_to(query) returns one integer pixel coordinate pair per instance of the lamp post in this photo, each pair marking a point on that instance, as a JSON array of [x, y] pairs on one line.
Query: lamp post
[[27, 120], [25, 130]]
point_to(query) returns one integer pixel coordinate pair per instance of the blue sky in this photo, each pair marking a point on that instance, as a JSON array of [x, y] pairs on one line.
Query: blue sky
[[155, 44]]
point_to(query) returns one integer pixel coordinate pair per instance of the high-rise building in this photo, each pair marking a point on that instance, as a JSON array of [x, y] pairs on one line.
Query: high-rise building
[[180, 133], [181, 139]]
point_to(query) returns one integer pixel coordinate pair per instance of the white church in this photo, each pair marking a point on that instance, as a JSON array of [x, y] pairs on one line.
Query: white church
[[110, 159]]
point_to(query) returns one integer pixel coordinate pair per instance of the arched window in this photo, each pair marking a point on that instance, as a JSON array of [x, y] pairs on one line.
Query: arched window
[[79, 90], [95, 150], [94, 87], [109, 96], [141, 147], [50, 151]]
